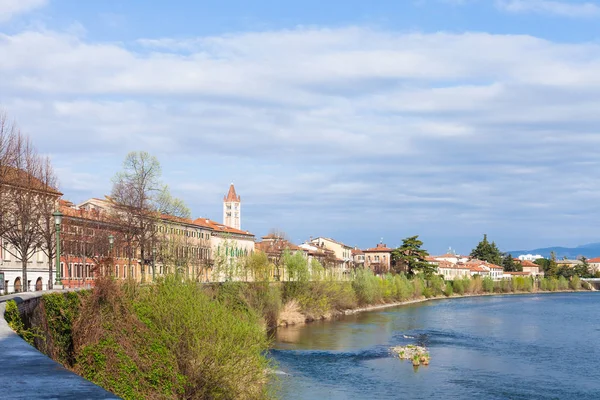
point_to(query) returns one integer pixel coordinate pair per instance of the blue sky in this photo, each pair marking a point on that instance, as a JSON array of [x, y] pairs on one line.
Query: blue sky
[[350, 119]]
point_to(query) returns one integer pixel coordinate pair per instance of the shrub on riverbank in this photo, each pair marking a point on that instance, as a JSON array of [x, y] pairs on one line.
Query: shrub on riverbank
[[170, 340], [219, 347]]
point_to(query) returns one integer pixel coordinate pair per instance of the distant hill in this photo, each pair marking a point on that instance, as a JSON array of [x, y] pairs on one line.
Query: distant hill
[[589, 250]]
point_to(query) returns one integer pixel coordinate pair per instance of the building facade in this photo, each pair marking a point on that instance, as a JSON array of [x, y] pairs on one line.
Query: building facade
[[378, 258], [341, 252]]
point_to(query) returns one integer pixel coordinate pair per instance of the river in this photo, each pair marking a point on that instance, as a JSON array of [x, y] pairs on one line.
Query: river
[[544, 346]]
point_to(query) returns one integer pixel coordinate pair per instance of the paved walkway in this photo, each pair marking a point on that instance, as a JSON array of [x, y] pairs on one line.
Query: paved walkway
[[25, 373]]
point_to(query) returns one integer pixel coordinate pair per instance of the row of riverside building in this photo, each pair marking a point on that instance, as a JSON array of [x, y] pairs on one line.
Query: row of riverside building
[[194, 246], [87, 229]]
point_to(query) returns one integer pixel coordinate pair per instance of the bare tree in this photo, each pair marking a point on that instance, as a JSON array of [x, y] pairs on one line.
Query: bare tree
[[46, 208], [139, 198], [8, 132], [23, 192]]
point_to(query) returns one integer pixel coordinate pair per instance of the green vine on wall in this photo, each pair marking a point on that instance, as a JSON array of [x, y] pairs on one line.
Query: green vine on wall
[[61, 311], [14, 320]]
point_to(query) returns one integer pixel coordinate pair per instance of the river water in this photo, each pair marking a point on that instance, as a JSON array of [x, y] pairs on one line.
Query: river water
[[543, 346]]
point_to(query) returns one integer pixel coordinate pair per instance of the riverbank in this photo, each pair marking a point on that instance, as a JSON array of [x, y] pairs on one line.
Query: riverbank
[[299, 319], [124, 337]]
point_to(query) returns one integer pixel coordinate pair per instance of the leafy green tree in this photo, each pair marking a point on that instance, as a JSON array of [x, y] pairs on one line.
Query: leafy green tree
[[510, 265], [295, 265], [316, 269], [486, 251], [583, 270], [544, 263], [552, 268], [411, 257], [257, 264], [565, 271]]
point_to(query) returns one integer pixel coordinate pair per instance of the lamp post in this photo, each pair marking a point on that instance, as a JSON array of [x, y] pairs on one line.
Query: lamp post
[[111, 241], [153, 263], [57, 221]]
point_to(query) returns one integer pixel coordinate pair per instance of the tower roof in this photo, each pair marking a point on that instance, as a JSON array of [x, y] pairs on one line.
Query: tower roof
[[231, 195]]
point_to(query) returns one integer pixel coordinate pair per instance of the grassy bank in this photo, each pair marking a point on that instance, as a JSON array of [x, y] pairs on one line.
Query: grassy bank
[[172, 340], [180, 339], [306, 301]]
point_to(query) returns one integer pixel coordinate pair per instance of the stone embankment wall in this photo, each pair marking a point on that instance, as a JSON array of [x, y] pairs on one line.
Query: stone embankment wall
[[25, 373]]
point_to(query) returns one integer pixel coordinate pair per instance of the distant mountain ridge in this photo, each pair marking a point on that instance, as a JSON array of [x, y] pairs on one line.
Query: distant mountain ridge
[[589, 250]]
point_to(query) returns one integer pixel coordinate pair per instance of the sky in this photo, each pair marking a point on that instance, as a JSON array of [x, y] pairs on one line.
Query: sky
[[361, 121]]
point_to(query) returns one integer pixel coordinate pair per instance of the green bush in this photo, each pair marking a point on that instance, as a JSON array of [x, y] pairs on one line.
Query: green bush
[[418, 285], [14, 320], [427, 292], [61, 310], [487, 284], [404, 288], [365, 286], [459, 286], [575, 283], [220, 350], [563, 284], [449, 290], [436, 284]]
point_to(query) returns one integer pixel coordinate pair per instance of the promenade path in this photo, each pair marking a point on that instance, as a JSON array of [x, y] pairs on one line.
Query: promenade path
[[26, 373]]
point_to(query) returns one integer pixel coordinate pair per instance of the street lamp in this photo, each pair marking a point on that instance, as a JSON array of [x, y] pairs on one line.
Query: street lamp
[[153, 263], [57, 221], [111, 241]]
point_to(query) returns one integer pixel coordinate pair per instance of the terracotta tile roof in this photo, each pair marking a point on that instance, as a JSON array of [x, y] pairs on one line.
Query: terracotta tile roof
[[95, 215], [65, 203], [273, 236], [477, 268], [22, 179], [173, 218], [231, 195], [594, 260], [527, 263], [356, 252], [483, 263], [381, 248], [217, 227], [450, 265], [276, 246]]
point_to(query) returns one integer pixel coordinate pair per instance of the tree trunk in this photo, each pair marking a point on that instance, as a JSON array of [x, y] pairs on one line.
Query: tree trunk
[[50, 275], [25, 284]]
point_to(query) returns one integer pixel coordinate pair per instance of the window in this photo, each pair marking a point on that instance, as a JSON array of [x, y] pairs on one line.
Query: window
[[6, 253]]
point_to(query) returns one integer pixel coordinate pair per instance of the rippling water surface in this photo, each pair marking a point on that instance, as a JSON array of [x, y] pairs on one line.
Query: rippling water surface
[[505, 347]]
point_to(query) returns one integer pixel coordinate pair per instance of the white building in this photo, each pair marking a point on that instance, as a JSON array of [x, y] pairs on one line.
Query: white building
[[529, 257]]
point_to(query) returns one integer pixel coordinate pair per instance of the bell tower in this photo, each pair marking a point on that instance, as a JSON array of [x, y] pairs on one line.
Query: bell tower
[[232, 209]]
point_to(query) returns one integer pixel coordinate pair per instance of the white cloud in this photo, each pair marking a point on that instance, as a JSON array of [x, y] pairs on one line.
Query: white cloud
[[562, 8], [12, 8], [396, 129]]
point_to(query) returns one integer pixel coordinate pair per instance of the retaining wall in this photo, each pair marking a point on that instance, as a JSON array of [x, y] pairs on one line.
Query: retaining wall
[[26, 373]]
